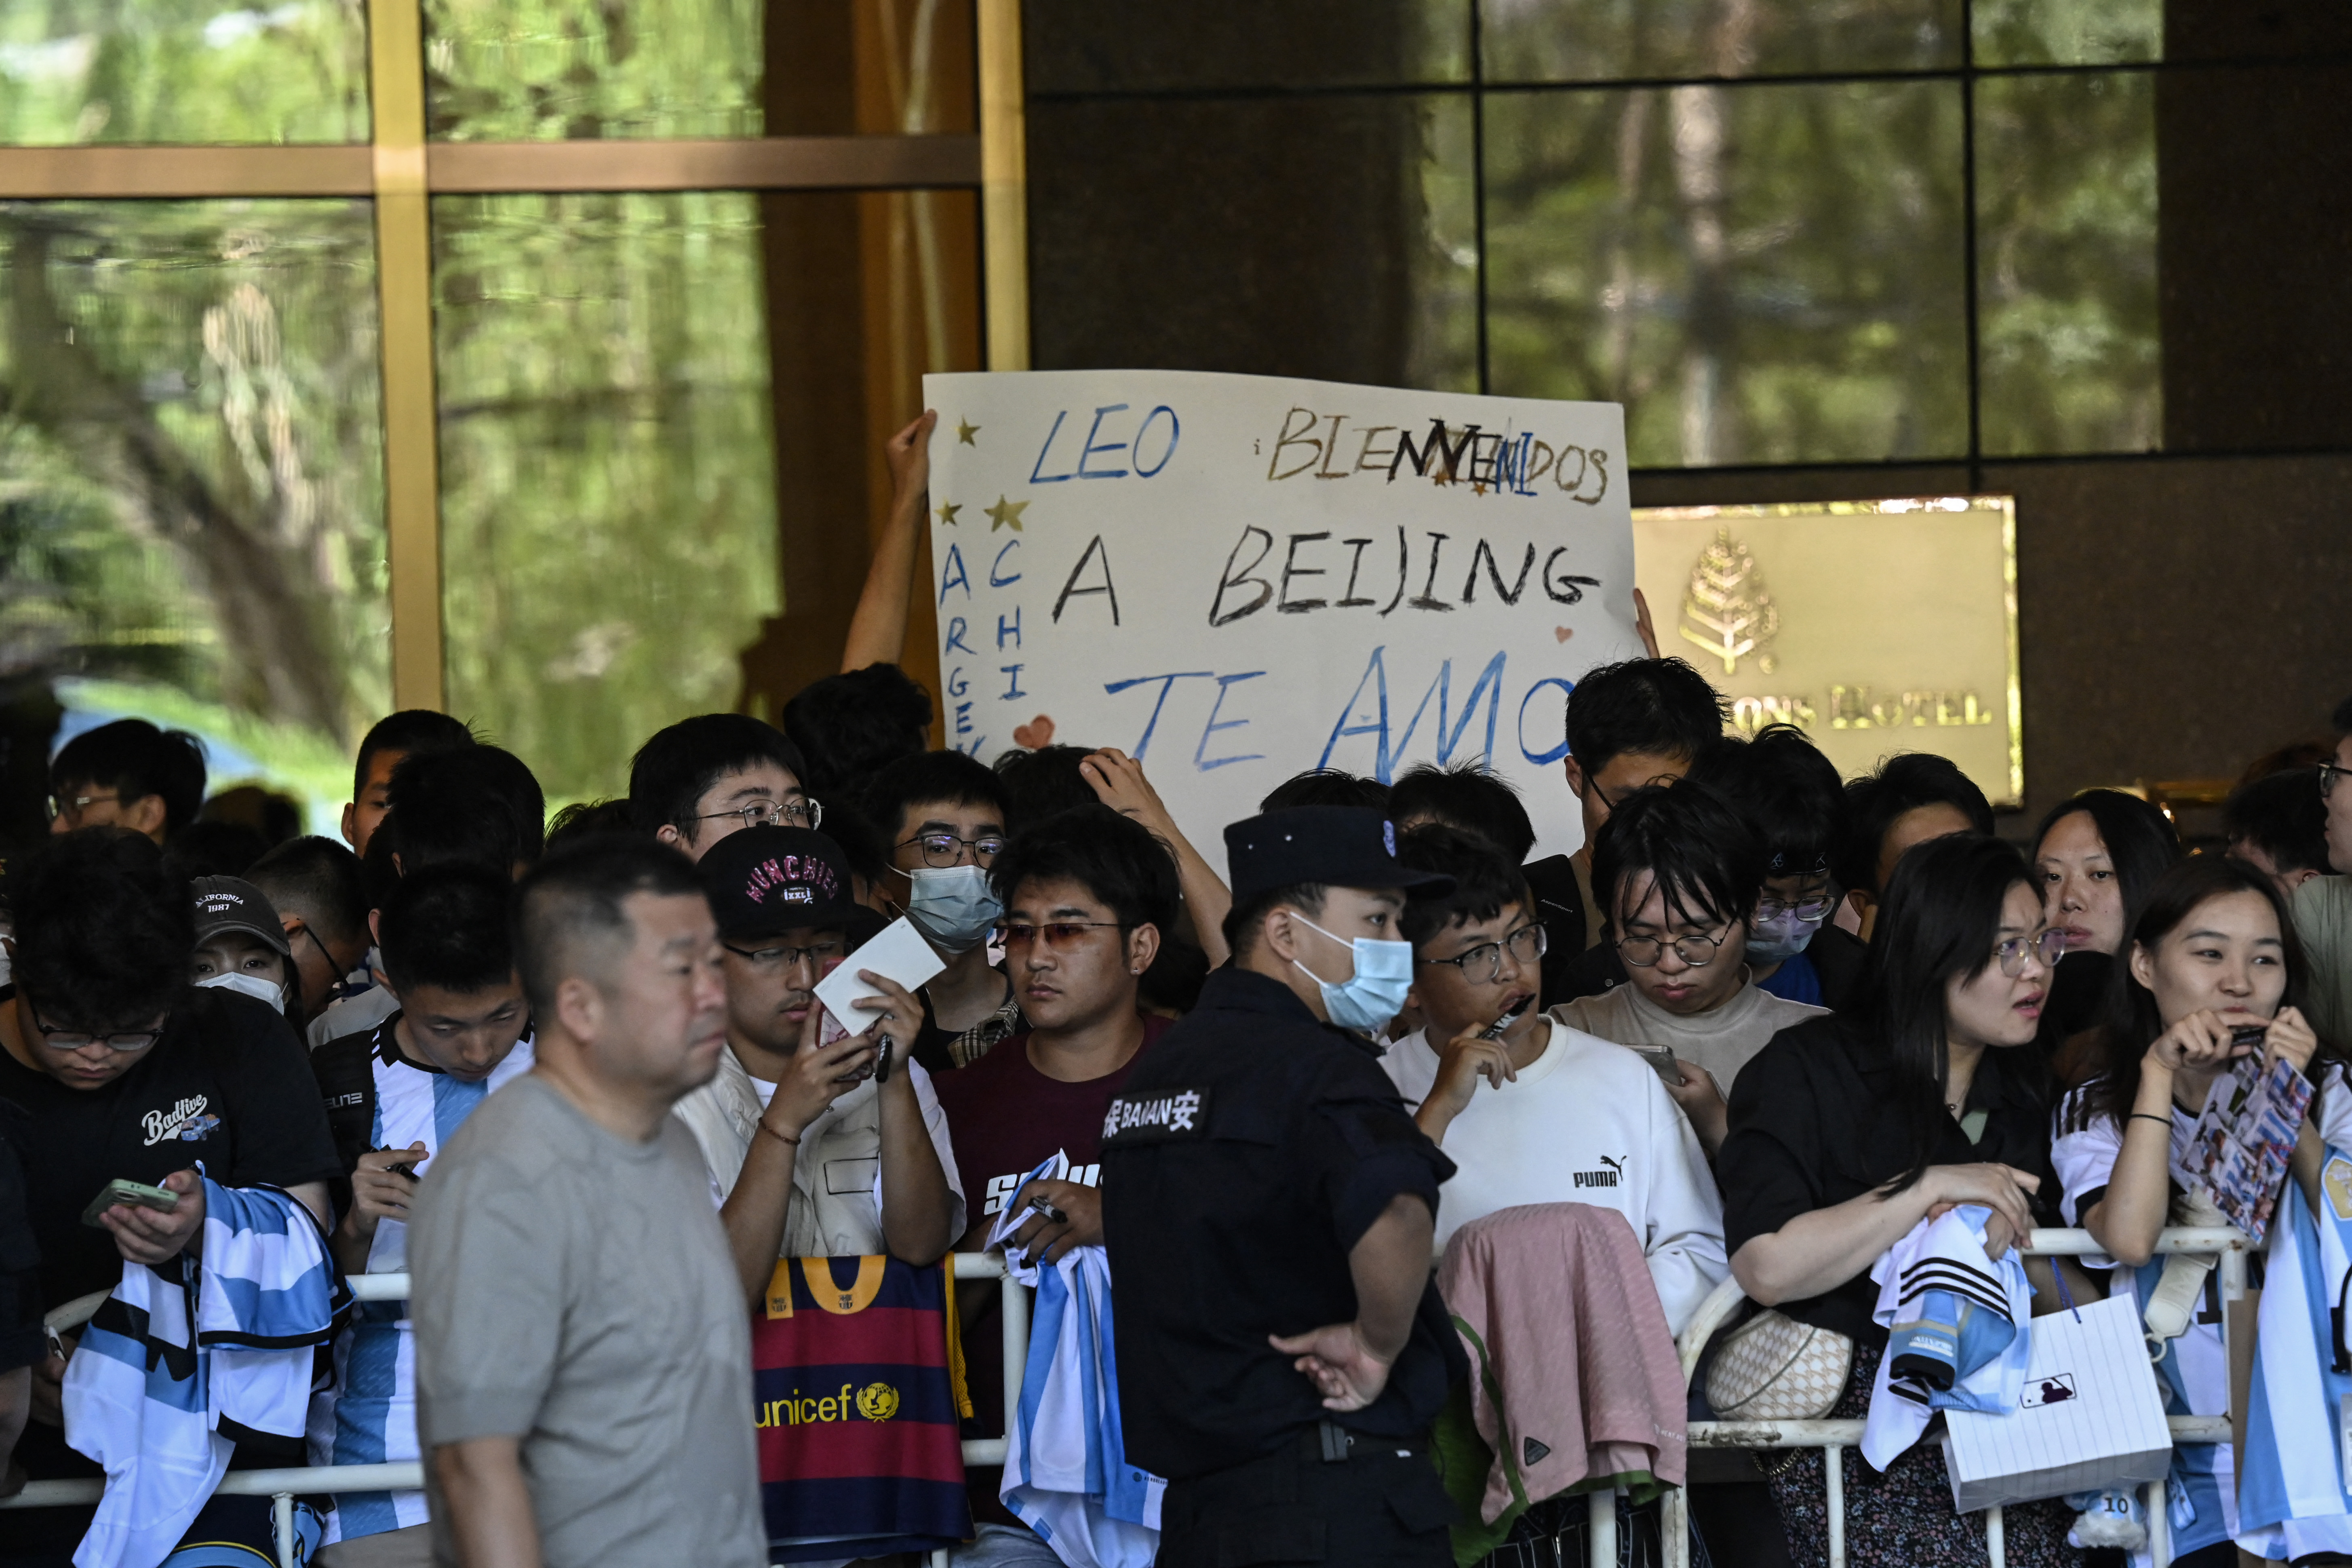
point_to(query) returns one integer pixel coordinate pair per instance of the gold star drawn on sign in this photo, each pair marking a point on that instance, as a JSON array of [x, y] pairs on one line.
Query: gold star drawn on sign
[[966, 430], [947, 512], [1006, 514]]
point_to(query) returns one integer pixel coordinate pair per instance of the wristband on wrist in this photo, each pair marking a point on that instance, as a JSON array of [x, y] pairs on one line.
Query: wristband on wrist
[[778, 1136], [2150, 1116]]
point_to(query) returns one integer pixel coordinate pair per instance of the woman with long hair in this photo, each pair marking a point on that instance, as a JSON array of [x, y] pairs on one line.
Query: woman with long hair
[[2211, 953], [1849, 1129], [2096, 856]]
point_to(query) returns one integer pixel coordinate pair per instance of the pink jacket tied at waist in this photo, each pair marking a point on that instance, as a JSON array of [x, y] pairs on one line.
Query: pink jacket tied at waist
[[1574, 1343]]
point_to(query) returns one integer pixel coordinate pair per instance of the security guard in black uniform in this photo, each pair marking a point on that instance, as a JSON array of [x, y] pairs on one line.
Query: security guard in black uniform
[[1268, 1205]]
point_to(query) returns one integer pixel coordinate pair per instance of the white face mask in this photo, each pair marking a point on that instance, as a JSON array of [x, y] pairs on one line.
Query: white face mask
[[252, 985], [953, 905]]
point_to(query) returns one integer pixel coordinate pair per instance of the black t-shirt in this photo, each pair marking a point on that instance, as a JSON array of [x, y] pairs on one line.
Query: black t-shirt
[[1560, 908], [1229, 1216], [1816, 1120], [21, 1342], [228, 1084]]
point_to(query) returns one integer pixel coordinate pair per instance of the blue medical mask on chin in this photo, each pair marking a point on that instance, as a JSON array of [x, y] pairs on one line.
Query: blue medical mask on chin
[[1782, 937], [253, 985], [953, 905], [1370, 997]]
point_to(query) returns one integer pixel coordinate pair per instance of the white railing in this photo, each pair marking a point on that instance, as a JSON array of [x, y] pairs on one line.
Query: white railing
[[283, 1486]]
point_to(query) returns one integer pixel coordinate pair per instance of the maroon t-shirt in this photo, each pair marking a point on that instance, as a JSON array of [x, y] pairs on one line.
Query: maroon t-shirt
[[1004, 1119]]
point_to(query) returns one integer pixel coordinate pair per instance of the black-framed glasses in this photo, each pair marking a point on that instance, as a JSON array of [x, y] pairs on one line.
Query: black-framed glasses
[[75, 804], [59, 1039], [941, 849], [1696, 949], [802, 813], [1058, 934], [1813, 908], [2046, 945], [1483, 965], [779, 956], [2328, 773]]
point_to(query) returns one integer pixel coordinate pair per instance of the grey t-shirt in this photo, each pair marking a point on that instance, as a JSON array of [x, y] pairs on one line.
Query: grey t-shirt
[[573, 1289]]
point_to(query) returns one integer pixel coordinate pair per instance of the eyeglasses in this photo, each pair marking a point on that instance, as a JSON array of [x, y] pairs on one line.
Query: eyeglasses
[[69, 1041], [1059, 935], [1815, 908], [940, 848], [820, 953], [2047, 946], [74, 805], [802, 813], [1696, 949], [2327, 775], [1483, 965]]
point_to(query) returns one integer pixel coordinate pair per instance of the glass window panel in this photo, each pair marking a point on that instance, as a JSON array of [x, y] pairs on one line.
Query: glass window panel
[[1374, 279], [607, 467], [1598, 40], [191, 475], [2069, 358], [1760, 274], [2067, 32], [1123, 45], [183, 71], [522, 70]]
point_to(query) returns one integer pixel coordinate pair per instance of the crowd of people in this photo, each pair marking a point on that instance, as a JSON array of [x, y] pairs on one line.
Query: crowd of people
[[573, 1077]]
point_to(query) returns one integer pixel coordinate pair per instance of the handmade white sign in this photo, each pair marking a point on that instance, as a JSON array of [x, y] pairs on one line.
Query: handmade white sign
[[1236, 578]]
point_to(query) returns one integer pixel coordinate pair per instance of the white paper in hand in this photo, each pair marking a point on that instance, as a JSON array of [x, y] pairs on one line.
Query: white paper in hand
[[900, 951]]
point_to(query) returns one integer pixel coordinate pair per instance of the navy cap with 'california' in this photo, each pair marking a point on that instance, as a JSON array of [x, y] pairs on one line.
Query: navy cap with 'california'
[[1331, 845], [231, 903], [764, 881]]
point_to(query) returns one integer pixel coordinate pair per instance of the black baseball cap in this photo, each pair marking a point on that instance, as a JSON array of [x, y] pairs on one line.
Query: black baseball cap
[[1335, 846], [764, 881], [231, 903]]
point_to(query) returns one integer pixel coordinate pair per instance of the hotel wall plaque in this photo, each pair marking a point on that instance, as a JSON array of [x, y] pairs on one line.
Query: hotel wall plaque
[[1876, 627]]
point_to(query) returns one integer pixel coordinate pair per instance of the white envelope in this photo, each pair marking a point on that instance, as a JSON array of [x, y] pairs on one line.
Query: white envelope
[[900, 951]]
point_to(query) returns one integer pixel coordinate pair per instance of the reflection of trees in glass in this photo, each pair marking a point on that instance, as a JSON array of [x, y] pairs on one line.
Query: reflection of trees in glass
[[1761, 273], [2067, 32], [2069, 356], [583, 69], [1588, 40], [1442, 227], [183, 70], [607, 467], [191, 475]]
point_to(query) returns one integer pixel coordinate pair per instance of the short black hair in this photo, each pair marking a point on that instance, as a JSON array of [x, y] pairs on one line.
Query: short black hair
[[948, 776], [1487, 879], [1326, 786], [1699, 850], [2141, 841], [1659, 705], [216, 849], [447, 925], [1039, 783], [408, 732], [673, 771], [318, 882], [853, 725], [478, 804], [588, 819], [1789, 793], [1117, 859], [135, 760], [1904, 783], [380, 867], [2283, 816], [103, 927], [2342, 717], [1471, 796], [853, 834], [1244, 920], [571, 901]]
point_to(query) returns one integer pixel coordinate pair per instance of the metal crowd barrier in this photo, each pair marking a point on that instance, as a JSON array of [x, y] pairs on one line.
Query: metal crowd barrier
[[1834, 1437], [284, 1485]]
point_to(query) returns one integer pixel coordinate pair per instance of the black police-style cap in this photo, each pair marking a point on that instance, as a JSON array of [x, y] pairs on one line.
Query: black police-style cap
[[1336, 845], [764, 881], [231, 903]]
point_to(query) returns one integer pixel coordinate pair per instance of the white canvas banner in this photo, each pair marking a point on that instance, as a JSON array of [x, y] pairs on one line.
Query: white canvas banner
[[1235, 578]]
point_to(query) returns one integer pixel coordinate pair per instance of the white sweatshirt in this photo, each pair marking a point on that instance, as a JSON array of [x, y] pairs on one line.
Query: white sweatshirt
[[1585, 1122]]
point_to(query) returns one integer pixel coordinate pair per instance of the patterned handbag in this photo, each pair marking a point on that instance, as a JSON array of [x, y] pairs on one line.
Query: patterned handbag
[[1774, 1368]]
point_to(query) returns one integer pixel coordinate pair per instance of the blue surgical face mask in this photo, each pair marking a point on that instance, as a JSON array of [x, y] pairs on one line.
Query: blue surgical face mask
[[953, 905], [253, 985], [1369, 998], [1782, 937]]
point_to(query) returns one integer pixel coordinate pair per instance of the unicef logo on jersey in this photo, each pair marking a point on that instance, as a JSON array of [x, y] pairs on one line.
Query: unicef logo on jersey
[[876, 1402]]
